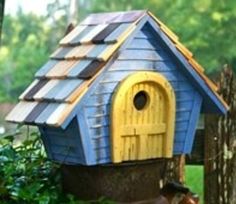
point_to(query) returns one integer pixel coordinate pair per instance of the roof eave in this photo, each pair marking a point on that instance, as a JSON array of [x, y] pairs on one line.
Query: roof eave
[[207, 92]]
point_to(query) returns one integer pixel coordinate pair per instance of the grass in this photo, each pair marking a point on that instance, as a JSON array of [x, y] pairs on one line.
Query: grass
[[194, 179]]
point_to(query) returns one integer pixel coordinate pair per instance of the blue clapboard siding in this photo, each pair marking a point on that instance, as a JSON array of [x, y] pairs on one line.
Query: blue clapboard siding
[[64, 145], [143, 56]]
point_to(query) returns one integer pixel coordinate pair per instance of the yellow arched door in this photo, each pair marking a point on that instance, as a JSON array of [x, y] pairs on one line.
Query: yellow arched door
[[142, 118]]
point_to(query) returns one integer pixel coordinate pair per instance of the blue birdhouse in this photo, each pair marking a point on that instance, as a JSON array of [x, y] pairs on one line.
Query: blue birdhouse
[[120, 87]]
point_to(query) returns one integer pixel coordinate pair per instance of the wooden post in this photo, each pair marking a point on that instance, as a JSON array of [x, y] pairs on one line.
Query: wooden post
[[220, 157], [125, 182]]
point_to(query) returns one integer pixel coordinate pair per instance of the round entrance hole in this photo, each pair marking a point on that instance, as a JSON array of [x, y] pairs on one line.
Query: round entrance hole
[[140, 100]]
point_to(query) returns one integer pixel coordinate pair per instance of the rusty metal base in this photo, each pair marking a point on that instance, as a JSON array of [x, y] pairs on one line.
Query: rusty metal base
[[126, 182]]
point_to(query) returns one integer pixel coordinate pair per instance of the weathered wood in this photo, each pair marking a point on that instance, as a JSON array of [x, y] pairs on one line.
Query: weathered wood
[[220, 156], [124, 182]]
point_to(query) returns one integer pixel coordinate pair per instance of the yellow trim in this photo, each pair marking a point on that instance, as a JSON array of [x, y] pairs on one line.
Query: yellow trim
[[136, 129]]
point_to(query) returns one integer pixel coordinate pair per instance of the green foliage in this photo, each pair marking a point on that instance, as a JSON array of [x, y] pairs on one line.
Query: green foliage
[[194, 179], [206, 27], [26, 176]]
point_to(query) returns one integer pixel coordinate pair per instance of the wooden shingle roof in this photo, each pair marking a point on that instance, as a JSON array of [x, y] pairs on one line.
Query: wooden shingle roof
[[81, 54], [79, 59]]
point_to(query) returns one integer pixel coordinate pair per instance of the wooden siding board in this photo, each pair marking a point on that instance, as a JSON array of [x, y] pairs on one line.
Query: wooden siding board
[[45, 68], [45, 141], [35, 89], [36, 112], [214, 104], [86, 138], [140, 55], [78, 68], [141, 44], [193, 123]]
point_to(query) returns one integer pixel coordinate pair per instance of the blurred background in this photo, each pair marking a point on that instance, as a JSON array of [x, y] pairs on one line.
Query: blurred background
[[31, 31]]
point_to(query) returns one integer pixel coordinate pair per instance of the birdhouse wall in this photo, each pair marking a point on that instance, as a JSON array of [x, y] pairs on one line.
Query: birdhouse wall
[[64, 146], [143, 53]]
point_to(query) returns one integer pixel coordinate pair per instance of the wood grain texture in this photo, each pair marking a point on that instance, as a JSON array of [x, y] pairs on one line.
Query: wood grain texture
[[94, 53], [55, 90], [113, 36], [30, 94], [217, 103], [61, 52], [35, 112], [78, 67], [89, 71], [75, 32], [100, 37], [44, 90], [53, 119], [61, 69], [45, 114], [68, 89], [80, 51], [45, 68], [132, 128], [28, 89], [113, 17], [20, 111], [77, 38], [94, 32]]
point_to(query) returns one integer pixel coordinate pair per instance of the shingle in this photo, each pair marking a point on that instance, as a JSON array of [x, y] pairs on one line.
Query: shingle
[[60, 69], [113, 36], [78, 68], [77, 38], [35, 89], [61, 52], [45, 114], [55, 90], [29, 88], [95, 31], [45, 68], [79, 52], [68, 89], [43, 91], [113, 17], [99, 38], [35, 112], [56, 114], [75, 32], [91, 69], [21, 111], [95, 52]]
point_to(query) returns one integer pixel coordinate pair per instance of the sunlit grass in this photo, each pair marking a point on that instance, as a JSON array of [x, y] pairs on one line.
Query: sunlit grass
[[194, 179]]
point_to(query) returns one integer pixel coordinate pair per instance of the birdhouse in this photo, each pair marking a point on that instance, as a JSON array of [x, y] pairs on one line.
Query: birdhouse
[[120, 87]]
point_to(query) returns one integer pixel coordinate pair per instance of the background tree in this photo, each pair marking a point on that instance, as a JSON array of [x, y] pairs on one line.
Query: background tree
[[205, 27]]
